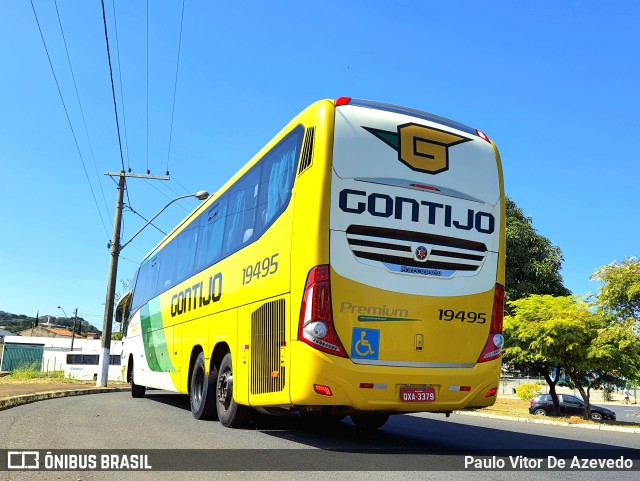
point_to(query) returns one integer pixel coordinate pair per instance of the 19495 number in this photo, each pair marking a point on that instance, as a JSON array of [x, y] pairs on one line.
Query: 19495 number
[[462, 316], [263, 268]]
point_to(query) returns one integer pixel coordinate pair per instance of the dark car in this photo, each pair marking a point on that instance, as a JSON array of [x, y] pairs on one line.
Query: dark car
[[542, 405]]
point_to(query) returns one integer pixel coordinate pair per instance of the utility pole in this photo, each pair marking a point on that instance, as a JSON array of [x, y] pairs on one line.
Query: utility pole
[[73, 329], [103, 368]]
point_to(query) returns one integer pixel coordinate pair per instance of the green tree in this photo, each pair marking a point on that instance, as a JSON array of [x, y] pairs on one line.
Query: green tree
[[564, 332], [533, 262], [619, 291]]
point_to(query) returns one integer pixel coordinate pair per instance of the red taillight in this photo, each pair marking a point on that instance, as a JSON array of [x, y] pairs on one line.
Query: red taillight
[[316, 326], [342, 101], [482, 135], [491, 392], [324, 390], [497, 315], [493, 346]]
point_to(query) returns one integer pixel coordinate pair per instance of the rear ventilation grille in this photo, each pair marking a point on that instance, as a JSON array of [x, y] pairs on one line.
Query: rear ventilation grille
[[394, 249], [267, 340], [307, 150]]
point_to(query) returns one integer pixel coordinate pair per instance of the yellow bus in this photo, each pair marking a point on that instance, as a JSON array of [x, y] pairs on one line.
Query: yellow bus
[[353, 267]]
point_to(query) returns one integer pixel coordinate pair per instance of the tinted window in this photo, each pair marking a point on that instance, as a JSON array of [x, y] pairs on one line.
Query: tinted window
[[90, 359], [571, 399], [152, 278], [139, 287], [278, 174], [241, 207], [186, 253], [211, 234], [166, 276]]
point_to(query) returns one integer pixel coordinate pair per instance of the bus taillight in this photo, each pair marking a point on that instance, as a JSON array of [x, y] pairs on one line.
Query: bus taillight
[[493, 347], [316, 316]]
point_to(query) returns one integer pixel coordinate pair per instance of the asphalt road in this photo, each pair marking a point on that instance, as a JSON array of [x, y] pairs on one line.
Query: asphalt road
[[163, 421]]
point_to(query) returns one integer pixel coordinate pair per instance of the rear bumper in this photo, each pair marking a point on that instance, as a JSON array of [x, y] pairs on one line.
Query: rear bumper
[[350, 383]]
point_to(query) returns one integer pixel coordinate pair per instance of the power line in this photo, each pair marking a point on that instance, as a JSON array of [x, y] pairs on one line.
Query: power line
[[166, 195], [113, 90], [175, 87], [124, 116], [173, 177], [148, 171], [146, 220], [81, 109], [68, 118]]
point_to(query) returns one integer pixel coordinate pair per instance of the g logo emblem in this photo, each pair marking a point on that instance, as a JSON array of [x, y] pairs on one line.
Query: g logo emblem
[[421, 148], [426, 149]]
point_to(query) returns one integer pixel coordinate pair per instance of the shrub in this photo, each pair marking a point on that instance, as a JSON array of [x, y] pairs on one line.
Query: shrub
[[528, 391]]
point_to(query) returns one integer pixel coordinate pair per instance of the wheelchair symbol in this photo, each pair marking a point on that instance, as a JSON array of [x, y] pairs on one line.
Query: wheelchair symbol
[[363, 348], [365, 343]]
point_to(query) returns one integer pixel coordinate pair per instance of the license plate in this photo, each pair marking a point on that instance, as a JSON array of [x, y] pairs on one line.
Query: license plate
[[417, 394]]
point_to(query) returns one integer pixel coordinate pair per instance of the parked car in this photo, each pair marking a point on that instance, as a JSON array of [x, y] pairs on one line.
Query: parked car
[[542, 405]]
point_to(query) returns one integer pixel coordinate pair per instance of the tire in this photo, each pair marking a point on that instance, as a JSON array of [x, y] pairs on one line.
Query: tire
[[202, 390], [230, 414], [540, 412], [596, 416], [137, 391], [369, 422]]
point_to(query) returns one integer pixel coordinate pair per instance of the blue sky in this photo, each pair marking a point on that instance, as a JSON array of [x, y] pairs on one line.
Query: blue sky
[[554, 84]]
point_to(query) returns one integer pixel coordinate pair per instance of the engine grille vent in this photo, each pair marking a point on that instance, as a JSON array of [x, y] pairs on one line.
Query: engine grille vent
[[395, 247], [267, 338], [307, 150]]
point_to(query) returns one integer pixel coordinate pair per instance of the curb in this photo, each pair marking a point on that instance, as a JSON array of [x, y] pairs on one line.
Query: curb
[[597, 427], [12, 402]]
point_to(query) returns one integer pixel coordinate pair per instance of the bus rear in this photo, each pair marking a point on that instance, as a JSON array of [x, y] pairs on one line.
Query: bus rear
[[416, 266]]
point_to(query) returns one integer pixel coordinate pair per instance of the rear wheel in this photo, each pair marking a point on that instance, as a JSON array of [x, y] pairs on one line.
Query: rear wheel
[[540, 412], [202, 390], [137, 391], [230, 414], [369, 422]]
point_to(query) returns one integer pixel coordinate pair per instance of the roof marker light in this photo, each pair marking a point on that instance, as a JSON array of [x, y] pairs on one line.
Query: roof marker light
[[425, 187], [483, 136], [342, 101]]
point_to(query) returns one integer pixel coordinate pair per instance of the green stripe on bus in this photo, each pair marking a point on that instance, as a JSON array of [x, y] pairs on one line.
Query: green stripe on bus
[[155, 342]]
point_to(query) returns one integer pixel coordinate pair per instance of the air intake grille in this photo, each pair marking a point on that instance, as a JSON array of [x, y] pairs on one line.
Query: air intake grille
[[267, 338], [307, 150], [395, 247]]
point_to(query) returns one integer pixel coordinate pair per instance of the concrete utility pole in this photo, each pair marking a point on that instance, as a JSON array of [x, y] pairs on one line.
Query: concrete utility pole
[[103, 368], [73, 329]]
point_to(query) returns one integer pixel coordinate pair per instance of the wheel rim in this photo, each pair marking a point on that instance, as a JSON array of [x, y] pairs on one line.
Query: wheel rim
[[540, 412], [225, 389], [596, 416]]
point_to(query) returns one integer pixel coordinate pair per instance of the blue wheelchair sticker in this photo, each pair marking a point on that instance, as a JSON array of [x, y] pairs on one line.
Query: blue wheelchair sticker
[[365, 343]]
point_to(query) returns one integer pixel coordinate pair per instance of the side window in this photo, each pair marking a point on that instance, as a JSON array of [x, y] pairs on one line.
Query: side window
[[278, 175], [571, 399], [166, 276], [243, 198], [186, 252], [209, 248], [140, 285], [152, 278]]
